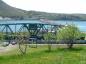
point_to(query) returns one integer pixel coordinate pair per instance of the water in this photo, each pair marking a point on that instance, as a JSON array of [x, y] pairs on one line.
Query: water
[[80, 24]]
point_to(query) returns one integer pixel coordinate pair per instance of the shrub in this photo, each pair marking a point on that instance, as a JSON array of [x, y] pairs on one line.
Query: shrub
[[68, 34]]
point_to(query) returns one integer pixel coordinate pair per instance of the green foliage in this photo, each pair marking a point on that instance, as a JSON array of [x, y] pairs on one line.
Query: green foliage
[[49, 36], [1, 36], [68, 32]]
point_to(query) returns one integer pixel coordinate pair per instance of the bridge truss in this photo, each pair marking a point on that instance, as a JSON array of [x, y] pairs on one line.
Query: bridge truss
[[25, 33]]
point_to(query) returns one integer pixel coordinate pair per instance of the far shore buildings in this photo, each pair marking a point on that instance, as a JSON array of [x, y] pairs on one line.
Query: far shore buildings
[[4, 18], [1, 18]]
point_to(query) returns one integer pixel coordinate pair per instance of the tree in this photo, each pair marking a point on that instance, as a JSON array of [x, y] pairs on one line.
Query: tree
[[1, 36], [49, 36], [68, 34]]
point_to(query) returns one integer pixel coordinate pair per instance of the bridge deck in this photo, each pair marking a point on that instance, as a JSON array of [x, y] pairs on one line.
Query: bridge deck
[[26, 22]]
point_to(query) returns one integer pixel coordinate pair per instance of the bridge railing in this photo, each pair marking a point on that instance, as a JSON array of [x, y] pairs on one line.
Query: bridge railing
[[59, 42]]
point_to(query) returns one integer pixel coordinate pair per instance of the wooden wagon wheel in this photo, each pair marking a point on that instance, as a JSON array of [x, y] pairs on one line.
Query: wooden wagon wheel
[[22, 45]]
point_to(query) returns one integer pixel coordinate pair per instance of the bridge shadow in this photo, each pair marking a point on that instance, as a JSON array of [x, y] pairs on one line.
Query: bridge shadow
[[76, 49], [71, 49]]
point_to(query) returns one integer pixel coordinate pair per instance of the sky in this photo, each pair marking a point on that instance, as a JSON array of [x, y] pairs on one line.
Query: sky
[[53, 6]]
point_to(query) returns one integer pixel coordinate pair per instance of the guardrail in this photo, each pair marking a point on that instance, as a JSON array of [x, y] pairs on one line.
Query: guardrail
[[50, 41], [59, 41]]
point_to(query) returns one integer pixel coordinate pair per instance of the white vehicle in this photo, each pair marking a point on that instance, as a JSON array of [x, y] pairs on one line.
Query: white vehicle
[[5, 44], [13, 43]]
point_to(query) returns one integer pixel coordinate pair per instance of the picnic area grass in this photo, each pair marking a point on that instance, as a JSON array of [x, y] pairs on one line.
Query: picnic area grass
[[40, 55]]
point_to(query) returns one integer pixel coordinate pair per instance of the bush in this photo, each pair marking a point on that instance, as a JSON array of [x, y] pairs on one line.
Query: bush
[[68, 34]]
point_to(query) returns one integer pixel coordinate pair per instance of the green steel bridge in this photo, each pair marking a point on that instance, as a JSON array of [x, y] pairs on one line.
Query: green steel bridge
[[25, 32]]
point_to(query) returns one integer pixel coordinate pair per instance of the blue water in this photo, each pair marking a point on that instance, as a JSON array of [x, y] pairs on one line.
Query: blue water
[[80, 24]]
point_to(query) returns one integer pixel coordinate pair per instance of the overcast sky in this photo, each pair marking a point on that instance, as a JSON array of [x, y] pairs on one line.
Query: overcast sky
[[56, 6]]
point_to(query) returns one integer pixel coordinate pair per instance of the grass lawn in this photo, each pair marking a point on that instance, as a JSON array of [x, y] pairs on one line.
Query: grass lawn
[[40, 55]]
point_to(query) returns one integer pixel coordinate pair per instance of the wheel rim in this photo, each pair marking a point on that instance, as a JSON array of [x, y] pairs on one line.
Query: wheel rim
[[23, 46]]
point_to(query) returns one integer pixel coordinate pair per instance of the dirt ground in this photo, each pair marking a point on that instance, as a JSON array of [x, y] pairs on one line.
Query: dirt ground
[[7, 48]]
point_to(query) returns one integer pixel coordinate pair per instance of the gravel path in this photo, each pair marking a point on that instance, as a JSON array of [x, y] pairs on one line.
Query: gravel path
[[11, 47], [8, 48]]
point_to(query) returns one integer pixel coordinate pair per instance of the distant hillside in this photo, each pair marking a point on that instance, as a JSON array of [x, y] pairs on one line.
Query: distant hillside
[[55, 16], [6, 10]]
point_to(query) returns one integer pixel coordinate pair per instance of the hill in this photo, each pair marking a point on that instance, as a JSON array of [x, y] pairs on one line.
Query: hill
[[8, 11], [56, 16]]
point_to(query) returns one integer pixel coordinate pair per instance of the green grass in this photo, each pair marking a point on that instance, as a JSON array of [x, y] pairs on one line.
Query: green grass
[[40, 55]]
